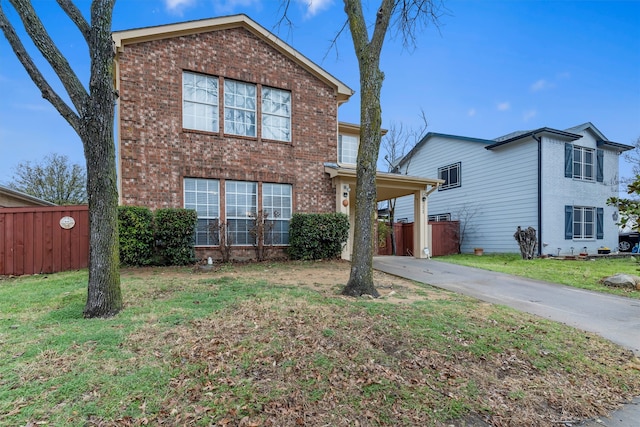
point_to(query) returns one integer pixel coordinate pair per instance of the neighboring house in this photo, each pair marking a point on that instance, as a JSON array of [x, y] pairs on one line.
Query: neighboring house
[[223, 117], [556, 181], [10, 198]]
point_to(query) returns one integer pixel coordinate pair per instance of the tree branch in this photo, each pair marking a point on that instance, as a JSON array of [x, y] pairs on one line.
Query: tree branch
[[47, 92], [50, 52], [76, 16]]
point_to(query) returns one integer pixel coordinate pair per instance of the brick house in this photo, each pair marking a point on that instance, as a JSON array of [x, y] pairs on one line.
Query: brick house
[[221, 116]]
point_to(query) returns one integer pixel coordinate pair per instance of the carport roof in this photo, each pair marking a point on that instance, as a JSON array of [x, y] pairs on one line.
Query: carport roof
[[390, 185]]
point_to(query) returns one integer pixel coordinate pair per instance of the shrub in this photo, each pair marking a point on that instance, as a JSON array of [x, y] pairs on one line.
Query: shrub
[[317, 236], [135, 226], [175, 234]]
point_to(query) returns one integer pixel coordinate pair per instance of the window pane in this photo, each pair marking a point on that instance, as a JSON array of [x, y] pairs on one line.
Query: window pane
[[241, 201], [276, 114], [199, 102], [240, 108], [203, 195]]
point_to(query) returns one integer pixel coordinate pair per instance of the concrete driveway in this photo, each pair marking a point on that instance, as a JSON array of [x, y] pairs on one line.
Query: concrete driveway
[[612, 317]]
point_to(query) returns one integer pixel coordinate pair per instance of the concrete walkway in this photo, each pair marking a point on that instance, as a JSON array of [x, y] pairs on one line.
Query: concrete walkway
[[612, 317]]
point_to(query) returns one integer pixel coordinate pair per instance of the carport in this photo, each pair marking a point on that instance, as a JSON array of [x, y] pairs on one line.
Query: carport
[[389, 186]]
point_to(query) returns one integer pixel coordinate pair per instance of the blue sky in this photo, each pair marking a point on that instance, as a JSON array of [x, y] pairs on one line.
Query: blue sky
[[491, 68]]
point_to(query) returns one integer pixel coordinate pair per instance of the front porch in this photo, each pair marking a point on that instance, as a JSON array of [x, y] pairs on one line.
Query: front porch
[[389, 186]]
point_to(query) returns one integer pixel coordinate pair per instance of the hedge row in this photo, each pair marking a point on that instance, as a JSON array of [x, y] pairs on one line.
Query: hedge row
[[165, 237], [317, 236]]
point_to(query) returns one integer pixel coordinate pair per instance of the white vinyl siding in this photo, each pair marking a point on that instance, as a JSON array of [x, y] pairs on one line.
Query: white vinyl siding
[[276, 114], [199, 102]]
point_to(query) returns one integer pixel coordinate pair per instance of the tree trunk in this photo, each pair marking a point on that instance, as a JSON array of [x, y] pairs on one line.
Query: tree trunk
[[368, 54], [104, 298], [527, 241]]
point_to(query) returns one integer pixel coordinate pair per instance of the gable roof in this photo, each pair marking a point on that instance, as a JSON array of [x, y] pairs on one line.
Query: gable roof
[[431, 135], [22, 199], [139, 35], [516, 136]]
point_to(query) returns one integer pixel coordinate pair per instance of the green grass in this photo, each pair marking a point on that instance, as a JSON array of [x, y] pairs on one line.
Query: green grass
[[585, 274], [222, 349]]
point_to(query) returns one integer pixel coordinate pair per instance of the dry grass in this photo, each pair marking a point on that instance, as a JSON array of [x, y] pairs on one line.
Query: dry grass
[[275, 345]]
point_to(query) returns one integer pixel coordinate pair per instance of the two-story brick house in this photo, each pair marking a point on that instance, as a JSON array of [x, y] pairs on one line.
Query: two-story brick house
[[223, 117]]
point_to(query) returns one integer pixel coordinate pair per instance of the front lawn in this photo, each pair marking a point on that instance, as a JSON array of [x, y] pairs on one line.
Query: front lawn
[[585, 274], [276, 345]]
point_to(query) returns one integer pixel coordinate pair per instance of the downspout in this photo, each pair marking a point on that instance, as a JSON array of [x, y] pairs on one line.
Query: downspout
[[539, 192]]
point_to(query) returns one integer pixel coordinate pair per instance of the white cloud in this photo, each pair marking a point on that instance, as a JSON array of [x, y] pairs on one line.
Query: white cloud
[[528, 115], [472, 112], [540, 85], [315, 6], [503, 106], [232, 6], [177, 6]]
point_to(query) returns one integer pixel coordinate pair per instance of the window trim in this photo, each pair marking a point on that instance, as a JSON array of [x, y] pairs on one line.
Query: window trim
[[212, 240], [281, 217], [278, 116], [341, 157], [215, 119], [232, 108], [447, 169]]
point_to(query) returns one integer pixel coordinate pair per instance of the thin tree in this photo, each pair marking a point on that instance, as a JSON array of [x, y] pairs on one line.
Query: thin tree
[[633, 157], [395, 145], [91, 116], [53, 179], [408, 17]]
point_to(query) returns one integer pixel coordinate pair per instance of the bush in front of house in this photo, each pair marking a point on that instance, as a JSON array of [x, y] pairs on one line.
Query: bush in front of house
[[317, 236], [175, 233], [135, 228]]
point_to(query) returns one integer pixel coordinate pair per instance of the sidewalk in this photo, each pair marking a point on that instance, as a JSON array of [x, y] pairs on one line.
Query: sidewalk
[[612, 317]]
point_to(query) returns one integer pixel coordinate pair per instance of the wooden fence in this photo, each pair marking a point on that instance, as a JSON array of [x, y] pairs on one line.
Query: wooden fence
[[43, 239], [444, 239]]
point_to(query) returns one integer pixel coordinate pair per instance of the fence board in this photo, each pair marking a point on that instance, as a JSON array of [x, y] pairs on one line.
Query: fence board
[[445, 237], [33, 241]]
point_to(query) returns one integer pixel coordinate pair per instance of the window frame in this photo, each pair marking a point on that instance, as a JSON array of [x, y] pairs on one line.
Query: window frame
[[281, 129], [202, 190], [353, 153], [581, 166], [447, 185], [282, 220], [212, 117], [231, 124]]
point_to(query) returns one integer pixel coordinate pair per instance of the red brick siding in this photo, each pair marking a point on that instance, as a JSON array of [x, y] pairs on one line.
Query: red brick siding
[[156, 153]]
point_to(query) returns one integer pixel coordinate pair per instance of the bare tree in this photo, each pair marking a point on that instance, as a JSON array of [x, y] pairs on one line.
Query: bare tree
[[395, 145], [409, 16], [53, 179], [633, 157], [91, 116]]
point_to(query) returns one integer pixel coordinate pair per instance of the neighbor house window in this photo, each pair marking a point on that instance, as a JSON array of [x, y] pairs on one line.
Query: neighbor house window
[[584, 222], [348, 149], [586, 164], [451, 176], [439, 217], [276, 114], [199, 102], [276, 204], [241, 208], [239, 108], [203, 196]]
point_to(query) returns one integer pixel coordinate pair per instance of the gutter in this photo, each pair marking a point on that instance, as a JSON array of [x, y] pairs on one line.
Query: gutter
[[539, 140]]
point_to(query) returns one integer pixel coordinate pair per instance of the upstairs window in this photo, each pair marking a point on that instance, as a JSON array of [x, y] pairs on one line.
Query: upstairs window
[[276, 114], [199, 102], [451, 176], [582, 163], [348, 149], [239, 108]]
